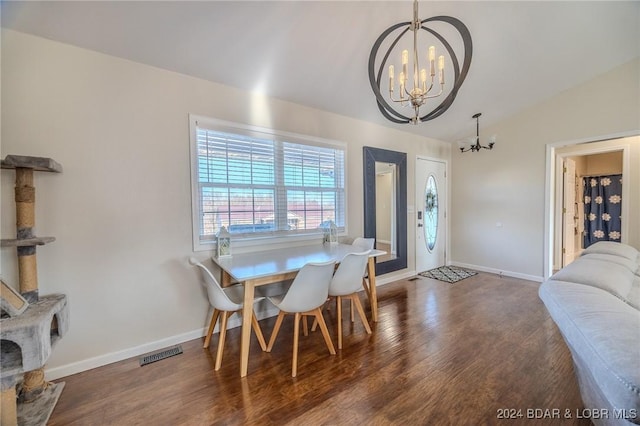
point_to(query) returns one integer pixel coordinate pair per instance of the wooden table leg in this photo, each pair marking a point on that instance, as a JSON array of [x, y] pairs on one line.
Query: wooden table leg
[[372, 289], [249, 290], [226, 279]]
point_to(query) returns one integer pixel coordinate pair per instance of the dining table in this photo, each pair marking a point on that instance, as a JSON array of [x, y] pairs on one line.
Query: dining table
[[276, 265]]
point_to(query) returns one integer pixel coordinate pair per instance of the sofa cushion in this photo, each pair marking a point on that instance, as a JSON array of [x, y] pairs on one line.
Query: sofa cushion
[[633, 298], [632, 265], [611, 277], [609, 247], [604, 334]]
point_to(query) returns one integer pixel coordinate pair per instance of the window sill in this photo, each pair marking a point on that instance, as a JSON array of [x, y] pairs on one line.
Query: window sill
[[254, 244]]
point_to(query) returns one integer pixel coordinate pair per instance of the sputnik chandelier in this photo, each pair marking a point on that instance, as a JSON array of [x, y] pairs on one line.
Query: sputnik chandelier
[[416, 89], [473, 144]]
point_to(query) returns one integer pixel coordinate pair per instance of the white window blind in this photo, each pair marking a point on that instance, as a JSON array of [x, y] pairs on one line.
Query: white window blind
[[261, 184]]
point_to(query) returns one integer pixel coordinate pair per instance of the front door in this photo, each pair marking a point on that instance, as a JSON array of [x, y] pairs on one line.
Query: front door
[[431, 202]]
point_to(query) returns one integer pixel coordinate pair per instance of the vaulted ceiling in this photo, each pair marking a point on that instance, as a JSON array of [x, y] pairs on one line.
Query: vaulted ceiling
[[316, 53]]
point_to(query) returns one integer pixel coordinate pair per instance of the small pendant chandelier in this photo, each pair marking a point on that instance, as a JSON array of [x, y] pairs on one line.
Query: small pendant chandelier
[[419, 86], [473, 144]]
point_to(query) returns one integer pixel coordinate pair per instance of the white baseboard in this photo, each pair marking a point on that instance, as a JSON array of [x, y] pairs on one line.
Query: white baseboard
[[394, 277], [99, 361], [102, 360], [535, 278]]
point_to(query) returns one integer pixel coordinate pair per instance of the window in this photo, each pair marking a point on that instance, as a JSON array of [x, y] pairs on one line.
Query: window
[[263, 183]]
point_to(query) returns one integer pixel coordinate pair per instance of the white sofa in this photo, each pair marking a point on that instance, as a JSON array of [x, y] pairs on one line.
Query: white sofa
[[595, 302]]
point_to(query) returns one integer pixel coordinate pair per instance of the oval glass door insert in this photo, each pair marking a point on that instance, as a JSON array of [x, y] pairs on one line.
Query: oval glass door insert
[[431, 213]]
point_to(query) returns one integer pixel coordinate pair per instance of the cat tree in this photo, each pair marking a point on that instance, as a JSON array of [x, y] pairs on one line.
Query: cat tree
[[32, 324]]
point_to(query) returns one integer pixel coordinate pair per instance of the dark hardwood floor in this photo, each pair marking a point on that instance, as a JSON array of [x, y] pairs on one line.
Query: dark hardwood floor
[[458, 354]]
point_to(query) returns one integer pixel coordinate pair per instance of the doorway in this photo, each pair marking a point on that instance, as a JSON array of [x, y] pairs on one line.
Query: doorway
[[575, 170], [554, 197], [431, 203]]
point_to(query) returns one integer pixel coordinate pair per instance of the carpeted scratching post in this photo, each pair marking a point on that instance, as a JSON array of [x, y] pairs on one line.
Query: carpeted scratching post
[[8, 407], [33, 323]]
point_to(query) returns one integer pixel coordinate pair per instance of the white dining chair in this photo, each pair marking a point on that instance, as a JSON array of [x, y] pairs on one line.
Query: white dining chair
[[345, 284], [307, 294], [364, 244], [225, 302]]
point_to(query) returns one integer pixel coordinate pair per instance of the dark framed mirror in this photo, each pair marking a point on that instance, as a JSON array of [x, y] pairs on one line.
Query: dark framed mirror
[[385, 206]]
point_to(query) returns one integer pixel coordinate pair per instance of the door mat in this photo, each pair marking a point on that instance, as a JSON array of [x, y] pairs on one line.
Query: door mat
[[449, 274]]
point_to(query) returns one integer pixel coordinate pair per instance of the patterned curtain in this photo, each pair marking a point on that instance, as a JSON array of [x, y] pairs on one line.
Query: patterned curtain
[[602, 208]]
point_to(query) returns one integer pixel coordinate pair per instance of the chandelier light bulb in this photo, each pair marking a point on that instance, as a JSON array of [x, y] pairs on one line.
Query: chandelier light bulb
[[432, 60]]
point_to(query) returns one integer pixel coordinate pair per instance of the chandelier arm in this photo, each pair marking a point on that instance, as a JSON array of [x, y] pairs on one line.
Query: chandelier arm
[[436, 95], [389, 116], [430, 86], [459, 75], [386, 109]]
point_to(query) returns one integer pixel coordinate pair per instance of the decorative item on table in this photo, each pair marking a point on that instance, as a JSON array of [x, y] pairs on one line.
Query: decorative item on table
[[330, 233], [223, 242]]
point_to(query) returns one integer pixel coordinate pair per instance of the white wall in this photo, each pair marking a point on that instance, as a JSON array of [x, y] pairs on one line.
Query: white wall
[[609, 163], [507, 185], [121, 210]]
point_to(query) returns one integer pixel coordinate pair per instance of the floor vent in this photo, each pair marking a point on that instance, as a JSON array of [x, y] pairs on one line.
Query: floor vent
[[160, 355]]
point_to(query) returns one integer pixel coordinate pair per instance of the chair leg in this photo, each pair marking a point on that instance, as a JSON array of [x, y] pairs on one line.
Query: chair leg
[[315, 320], [305, 326], [276, 329], [325, 332], [356, 301], [258, 331], [339, 312], [296, 332], [353, 318], [365, 285], [221, 338], [212, 324]]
